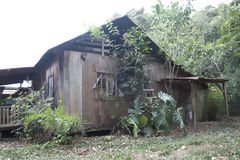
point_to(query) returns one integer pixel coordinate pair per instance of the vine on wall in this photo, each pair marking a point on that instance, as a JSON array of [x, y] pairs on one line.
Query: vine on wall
[[133, 51]]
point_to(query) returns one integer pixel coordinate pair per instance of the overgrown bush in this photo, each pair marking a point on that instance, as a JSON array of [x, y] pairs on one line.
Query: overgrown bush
[[52, 125], [41, 122], [149, 114], [28, 104]]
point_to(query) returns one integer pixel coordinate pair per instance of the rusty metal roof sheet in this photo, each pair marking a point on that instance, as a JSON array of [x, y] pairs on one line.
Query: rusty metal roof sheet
[[15, 75], [199, 79]]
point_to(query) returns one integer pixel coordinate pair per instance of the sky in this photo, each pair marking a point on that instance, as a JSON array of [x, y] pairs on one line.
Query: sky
[[28, 28]]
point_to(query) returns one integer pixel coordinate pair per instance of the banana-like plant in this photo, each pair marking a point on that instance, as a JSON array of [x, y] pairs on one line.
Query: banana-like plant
[[165, 112], [160, 113]]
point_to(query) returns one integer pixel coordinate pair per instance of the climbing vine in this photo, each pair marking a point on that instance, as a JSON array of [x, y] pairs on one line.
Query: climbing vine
[[133, 51]]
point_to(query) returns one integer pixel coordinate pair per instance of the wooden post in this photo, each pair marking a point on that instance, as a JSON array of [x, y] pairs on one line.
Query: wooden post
[[194, 105], [225, 99]]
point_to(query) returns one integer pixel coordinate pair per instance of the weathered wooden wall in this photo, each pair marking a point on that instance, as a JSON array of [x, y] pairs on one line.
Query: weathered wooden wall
[[71, 82], [79, 77], [76, 73], [181, 90], [41, 76]]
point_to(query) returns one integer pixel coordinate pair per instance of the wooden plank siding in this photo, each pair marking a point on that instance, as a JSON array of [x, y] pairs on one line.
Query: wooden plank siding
[[6, 117]]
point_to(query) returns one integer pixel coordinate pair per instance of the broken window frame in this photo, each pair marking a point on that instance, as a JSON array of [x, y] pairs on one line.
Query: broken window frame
[[107, 85]]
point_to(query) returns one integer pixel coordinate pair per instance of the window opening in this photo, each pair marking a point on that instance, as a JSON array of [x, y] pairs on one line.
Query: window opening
[[107, 85]]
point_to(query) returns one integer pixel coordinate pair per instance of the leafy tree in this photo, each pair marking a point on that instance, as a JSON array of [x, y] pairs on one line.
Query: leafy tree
[[205, 43], [229, 42]]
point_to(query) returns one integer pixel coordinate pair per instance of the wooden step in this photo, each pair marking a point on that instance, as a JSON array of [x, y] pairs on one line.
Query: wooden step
[[154, 97], [148, 90]]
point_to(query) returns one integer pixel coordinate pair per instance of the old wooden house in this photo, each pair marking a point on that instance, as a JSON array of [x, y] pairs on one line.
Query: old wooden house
[[80, 72]]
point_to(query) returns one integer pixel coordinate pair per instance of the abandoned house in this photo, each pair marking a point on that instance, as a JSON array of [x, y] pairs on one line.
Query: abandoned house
[[80, 72]]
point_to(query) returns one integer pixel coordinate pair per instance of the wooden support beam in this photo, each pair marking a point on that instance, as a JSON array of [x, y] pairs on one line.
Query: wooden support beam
[[225, 99], [194, 105]]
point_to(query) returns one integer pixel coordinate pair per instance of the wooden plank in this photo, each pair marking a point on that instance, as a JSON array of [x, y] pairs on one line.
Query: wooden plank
[[116, 87], [4, 127], [194, 105], [1, 113], [225, 99], [94, 44], [148, 90], [101, 89], [86, 49], [112, 86], [4, 116], [66, 82], [107, 89], [7, 116], [75, 79]]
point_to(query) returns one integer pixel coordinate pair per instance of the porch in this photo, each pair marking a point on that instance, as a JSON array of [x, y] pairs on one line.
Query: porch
[[6, 119]]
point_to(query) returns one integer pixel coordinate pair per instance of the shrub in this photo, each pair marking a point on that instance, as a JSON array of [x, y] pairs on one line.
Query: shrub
[[165, 112], [149, 114], [42, 122], [29, 104], [52, 125]]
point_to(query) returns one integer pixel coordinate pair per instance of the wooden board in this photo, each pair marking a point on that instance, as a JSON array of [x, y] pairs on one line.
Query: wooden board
[[6, 127]]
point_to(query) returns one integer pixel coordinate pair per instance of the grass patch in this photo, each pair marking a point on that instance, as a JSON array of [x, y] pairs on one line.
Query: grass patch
[[222, 142]]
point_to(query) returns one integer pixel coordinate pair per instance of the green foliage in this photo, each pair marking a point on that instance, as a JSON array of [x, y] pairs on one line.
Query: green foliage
[[96, 32], [133, 50], [41, 122], [143, 120], [53, 125], [214, 103], [133, 54], [145, 115], [29, 104], [165, 112], [206, 42], [134, 121]]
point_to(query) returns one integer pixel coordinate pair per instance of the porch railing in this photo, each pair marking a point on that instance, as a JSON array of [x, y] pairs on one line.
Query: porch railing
[[6, 116]]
